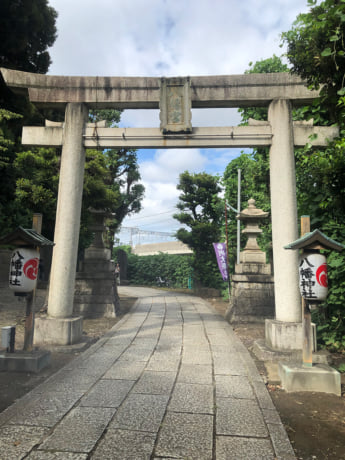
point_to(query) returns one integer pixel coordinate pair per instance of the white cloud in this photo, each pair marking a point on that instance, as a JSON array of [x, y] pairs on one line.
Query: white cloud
[[167, 37], [168, 164]]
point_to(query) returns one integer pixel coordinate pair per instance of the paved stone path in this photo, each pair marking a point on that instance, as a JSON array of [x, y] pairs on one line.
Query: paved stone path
[[170, 381]]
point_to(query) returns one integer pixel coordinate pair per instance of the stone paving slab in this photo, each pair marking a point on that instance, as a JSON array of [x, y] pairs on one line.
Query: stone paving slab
[[141, 412], [125, 445], [125, 370], [236, 448], [79, 430], [186, 436], [195, 373], [76, 381], [239, 418], [136, 353], [233, 386], [167, 349], [197, 357], [16, 441], [264, 399], [170, 380], [163, 364], [45, 410], [155, 383], [228, 364], [107, 393], [193, 398], [280, 442]]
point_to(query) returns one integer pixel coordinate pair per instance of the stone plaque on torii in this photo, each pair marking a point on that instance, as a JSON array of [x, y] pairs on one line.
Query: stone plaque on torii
[[75, 95]]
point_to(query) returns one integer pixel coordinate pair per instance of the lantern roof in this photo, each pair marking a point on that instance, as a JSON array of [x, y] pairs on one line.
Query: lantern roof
[[251, 213], [25, 237], [315, 240]]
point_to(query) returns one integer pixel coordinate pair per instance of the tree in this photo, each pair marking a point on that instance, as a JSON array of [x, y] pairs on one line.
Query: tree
[[270, 65], [111, 182], [316, 51], [202, 214], [27, 30], [124, 176], [10, 215]]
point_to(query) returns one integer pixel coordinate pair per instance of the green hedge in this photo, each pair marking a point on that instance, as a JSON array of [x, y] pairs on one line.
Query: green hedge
[[143, 270]]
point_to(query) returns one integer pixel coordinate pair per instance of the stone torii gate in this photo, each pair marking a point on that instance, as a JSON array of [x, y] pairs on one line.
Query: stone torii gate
[[175, 97]]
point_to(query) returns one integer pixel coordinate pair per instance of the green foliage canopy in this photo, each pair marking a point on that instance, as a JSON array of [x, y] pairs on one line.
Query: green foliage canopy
[[316, 51], [27, 30], [111, 183]]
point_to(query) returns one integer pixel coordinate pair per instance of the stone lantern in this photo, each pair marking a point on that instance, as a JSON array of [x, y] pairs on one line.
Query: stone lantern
[[252, 295], [251, 216], [97, 227]]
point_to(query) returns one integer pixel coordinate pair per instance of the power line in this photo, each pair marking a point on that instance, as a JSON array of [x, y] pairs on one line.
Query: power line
[[149, 232], [152, 215]]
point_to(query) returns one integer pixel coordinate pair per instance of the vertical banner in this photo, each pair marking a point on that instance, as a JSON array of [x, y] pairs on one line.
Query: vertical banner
[[220, 250]]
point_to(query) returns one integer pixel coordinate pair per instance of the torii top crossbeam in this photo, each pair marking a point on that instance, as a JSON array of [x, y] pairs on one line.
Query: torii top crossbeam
[[175, 97], [144, 92]]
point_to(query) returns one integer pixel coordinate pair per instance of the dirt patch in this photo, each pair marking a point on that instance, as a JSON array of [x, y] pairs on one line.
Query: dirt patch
[[315, 422]]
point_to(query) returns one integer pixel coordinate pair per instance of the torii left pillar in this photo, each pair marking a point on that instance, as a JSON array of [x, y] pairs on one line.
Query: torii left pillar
[[60, 327]]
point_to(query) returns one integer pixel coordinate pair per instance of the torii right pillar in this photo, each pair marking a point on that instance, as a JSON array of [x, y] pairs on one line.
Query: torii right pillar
[[285, 332]]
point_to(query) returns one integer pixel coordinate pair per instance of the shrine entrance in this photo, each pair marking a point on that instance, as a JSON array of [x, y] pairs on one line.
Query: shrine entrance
[[174, 97]]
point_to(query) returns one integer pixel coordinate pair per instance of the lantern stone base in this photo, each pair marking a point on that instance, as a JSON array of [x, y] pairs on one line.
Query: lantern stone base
[[21, 361], [252, 294], [58, 331], [264, 353], [95, 293], [286, 336], [319, 378]]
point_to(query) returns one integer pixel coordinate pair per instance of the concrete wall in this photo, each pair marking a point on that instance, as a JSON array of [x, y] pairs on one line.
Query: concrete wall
[[170, 247]]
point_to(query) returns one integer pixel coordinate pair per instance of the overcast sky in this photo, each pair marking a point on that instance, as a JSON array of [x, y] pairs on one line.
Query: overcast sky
[[169, 38]]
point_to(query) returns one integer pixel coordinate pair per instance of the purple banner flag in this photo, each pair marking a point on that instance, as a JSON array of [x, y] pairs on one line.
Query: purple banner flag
[[220, 250]]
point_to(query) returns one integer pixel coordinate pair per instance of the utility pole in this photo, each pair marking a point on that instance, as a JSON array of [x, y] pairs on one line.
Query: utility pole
[[227, 248], [30, 312], [239, 210]]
